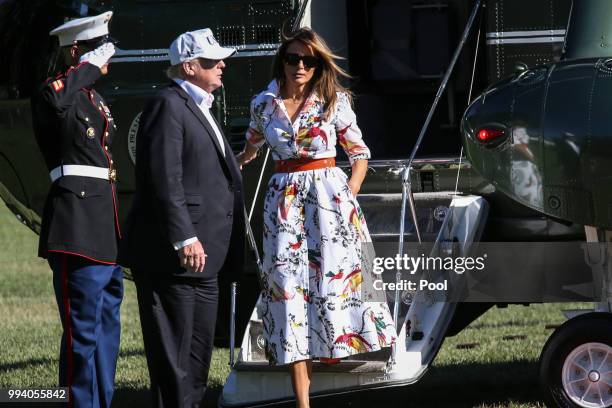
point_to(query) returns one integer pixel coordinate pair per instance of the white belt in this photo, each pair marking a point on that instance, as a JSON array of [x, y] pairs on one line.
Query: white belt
[[78, 170]]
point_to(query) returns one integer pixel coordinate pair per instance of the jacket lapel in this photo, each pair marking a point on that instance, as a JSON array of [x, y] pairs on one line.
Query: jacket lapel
[[230, 160], [198, 113]]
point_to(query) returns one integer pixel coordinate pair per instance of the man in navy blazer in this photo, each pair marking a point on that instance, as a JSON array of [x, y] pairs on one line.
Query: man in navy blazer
[[186, 224]]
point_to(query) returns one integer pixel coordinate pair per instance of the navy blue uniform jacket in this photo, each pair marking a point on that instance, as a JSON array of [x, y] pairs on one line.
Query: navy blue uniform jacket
[[73, 125]]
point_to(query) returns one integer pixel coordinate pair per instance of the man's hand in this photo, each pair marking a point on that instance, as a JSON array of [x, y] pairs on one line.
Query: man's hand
[[100, 56], [192, 257]]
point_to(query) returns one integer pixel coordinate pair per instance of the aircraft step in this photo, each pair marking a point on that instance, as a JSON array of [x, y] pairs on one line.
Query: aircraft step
[[345, 366], [375, 361], [381, 213]]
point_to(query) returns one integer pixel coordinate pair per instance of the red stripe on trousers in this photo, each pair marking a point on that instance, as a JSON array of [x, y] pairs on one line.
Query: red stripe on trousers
[[57, 251], [67, 327]]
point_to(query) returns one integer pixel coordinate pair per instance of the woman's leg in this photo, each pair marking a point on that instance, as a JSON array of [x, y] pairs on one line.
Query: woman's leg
[[301, 372]]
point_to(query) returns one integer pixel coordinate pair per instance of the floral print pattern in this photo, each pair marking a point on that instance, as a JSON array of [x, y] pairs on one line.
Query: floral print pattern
[[312, 300], [310, 136]]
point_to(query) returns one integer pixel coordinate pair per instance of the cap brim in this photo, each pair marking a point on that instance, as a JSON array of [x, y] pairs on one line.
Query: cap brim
[[219, 53]]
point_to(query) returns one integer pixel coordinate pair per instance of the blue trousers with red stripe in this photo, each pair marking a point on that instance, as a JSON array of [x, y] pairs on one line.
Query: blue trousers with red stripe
[[88, 295]]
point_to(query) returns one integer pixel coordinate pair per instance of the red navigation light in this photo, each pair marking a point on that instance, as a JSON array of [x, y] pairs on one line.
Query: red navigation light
[[489, 134]]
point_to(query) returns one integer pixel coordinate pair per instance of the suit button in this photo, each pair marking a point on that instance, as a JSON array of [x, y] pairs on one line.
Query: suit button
[[229, 214]]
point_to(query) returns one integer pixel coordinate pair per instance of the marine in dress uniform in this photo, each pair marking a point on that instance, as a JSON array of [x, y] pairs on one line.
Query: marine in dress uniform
[[80, 230]]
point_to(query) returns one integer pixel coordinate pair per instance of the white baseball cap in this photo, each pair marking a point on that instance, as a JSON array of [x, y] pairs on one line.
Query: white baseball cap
[[197, 44], [82, 29]]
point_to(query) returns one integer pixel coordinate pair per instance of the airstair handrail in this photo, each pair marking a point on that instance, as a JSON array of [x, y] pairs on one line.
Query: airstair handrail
[[406, 182]]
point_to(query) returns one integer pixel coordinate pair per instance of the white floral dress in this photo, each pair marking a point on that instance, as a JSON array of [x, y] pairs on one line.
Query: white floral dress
[[313, 231]]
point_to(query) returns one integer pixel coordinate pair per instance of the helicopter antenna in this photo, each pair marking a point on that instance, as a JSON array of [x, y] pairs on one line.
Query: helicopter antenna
[[469, 100], [406, 181]]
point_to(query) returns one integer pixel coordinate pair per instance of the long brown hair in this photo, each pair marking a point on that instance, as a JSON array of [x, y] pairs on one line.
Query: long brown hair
[[325, 81]]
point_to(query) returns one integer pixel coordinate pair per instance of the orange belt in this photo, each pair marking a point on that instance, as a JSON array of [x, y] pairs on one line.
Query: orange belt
[[293, 165]]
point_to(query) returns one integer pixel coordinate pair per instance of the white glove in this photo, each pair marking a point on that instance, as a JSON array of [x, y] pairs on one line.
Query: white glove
[[100, 55]]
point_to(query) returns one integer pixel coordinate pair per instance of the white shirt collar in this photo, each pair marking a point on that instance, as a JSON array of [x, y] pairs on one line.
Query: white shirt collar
[[200, 96]]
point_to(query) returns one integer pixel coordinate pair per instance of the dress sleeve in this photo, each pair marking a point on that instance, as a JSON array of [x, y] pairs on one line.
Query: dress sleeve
[[255, 132], [348, 133]]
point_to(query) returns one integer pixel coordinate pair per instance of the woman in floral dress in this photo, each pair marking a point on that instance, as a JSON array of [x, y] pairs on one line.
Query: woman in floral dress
[[313, 226]]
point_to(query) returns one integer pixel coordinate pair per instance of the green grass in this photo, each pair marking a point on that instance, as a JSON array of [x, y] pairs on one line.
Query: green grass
[[495, 373]]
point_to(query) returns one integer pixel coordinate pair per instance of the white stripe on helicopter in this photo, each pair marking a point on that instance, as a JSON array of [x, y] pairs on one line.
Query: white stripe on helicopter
[[525, 37], [161, 54]]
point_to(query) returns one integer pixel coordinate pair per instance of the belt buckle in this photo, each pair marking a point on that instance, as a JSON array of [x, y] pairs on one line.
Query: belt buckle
[[112, 174]]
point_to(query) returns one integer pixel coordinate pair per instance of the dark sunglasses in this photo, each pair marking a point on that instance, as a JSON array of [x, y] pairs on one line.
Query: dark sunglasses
[[208, 63], [294, 59]]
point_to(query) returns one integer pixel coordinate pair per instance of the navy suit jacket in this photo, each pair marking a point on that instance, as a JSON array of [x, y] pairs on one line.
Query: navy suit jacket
[[185, 188]]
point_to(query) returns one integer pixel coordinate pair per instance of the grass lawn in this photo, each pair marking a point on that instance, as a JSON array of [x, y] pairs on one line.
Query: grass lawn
[[495, 373]]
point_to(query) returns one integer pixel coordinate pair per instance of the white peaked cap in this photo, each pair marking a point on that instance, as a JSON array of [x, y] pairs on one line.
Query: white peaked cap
[[197, 44], [82, 29]]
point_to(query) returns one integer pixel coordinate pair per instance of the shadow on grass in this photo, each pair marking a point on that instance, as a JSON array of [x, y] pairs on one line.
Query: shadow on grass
[[133, 398], [462, 385], [35, 362], [453, 386], [21, 365]]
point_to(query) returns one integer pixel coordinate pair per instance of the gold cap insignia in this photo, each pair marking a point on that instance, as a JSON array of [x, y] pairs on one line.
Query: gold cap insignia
[[91, 133]]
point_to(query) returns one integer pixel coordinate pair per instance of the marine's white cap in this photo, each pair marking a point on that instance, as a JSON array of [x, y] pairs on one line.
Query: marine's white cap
[[82, 29], [197, 44]]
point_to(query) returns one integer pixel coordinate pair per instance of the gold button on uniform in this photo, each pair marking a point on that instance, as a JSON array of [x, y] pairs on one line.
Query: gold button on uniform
[[82, 194], [106, 148]]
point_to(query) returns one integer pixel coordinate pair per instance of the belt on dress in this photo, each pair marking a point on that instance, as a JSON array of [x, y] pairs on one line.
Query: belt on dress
[[103, 173], [293, 165]]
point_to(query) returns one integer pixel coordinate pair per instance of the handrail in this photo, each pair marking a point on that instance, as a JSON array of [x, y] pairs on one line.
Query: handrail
[[406, 182]]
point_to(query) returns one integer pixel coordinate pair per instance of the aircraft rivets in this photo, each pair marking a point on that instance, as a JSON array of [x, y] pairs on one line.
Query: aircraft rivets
[[554, 202]]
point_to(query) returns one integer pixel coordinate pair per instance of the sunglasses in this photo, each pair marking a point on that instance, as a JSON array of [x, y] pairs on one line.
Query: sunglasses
[[294, 59], [208, 63]]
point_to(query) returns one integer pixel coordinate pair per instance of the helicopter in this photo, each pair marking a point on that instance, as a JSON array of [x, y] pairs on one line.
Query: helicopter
[[398, 53], [542, 137]]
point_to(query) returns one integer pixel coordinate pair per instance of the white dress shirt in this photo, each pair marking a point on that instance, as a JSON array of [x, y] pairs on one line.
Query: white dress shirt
[[204, 101]]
